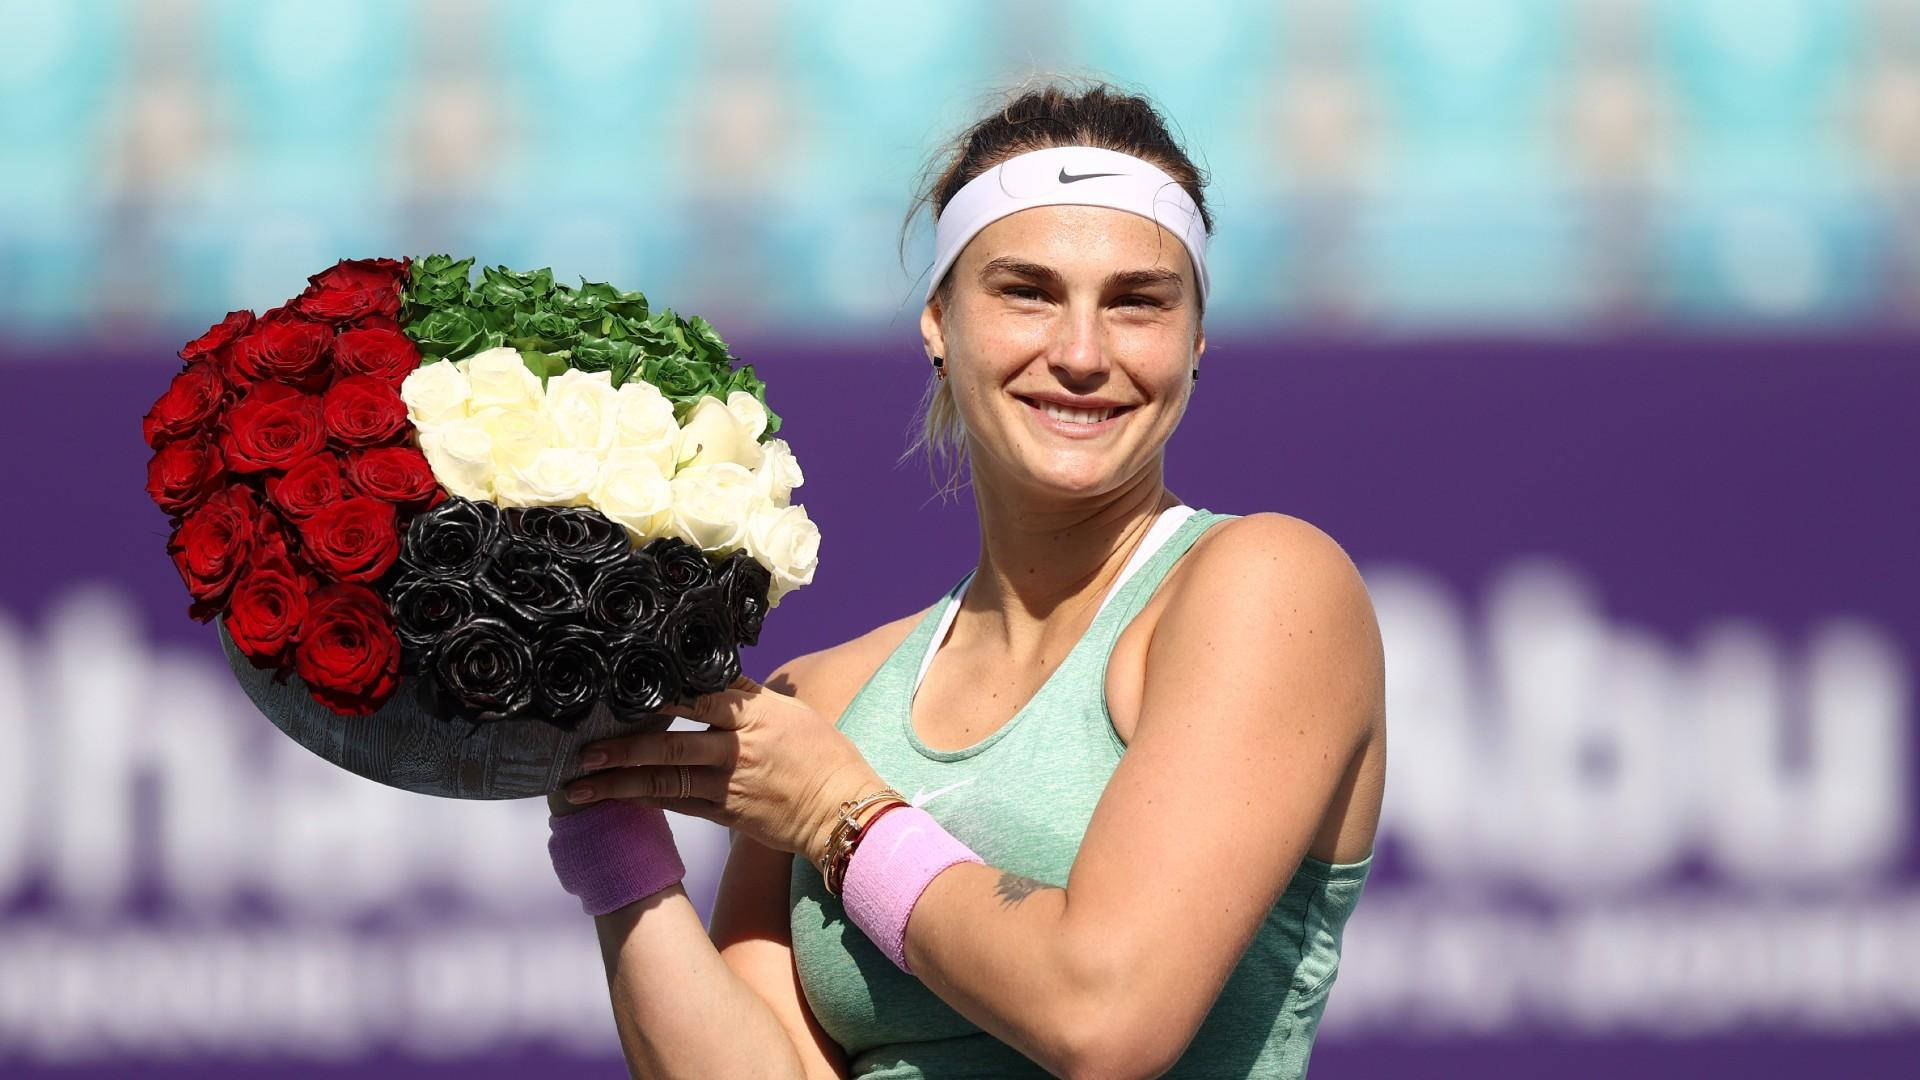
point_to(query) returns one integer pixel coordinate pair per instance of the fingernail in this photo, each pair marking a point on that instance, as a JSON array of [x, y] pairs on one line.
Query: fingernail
[[593, 757], [580, 794]]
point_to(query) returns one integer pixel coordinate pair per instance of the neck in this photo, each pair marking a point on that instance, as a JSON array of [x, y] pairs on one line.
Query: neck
[[1044, 567]]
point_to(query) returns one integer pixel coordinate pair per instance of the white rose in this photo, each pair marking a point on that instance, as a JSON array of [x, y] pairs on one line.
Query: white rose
[[779, 471], [633, 490], [435, 393], [787, 543], [500, 377], [519, 433], [583, 407], [644, 421], [556, 476], [712, 435], [747, 409], [711, 504], [460, 452]]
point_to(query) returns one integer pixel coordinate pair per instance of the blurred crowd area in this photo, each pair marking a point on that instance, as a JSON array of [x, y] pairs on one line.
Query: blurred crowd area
[[1434, 165]]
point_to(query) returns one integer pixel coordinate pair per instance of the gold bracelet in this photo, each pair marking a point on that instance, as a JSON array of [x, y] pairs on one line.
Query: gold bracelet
[[846, 834], [843, 856]]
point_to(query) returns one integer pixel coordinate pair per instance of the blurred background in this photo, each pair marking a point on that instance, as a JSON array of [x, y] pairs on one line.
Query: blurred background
[[1591, 330]]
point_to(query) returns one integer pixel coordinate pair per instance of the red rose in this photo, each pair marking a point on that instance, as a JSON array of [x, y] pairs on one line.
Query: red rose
[[377, 322], [308, 487], [272, 544], [355, 539], [284, 348], [395, 474], [273, 427], [192, 399], [354, 288], [347, 651], [388, 355], [211, 546], [182, 474], [266, 610], [361, 410], [219, 335]]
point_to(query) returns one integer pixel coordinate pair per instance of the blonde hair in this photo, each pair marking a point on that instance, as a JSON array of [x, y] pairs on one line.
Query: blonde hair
[[1038, 113]]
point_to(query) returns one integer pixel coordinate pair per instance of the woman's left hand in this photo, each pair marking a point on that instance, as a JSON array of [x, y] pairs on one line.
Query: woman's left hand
[[768, 765]]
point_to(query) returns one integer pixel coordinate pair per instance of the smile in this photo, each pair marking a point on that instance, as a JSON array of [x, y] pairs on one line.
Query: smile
[[1079, 423]]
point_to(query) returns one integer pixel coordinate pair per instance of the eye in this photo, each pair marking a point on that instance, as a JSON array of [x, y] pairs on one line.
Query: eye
[[1136, 300], [1022, 291]]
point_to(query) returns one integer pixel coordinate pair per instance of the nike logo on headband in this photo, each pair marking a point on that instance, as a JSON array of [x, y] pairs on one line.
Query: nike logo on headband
[[1068, 178]]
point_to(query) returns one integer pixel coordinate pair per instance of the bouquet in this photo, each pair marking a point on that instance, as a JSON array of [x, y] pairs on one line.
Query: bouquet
[[418, 502]]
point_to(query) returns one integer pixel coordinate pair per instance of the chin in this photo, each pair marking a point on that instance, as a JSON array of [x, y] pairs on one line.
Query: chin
[[1074, 482]]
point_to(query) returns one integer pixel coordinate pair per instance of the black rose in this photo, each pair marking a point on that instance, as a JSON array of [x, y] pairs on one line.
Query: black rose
[[700, 636], [642, 677], [629, 597], [452, 540], [744, 583], [425, 610], [581, 536], [682, 566], [526, 580], [569, 674], [486, 667]]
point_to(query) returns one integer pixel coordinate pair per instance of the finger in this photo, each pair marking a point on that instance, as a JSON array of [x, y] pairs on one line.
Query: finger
[[705, 784], [697, 708], [722, 709], [699, 808], [662, 748]]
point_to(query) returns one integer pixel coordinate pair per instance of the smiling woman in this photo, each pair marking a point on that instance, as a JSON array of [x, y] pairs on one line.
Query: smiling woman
[[1171, 716]]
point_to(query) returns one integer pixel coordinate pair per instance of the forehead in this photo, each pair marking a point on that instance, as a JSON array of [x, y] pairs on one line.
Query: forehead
[[1079, 239]]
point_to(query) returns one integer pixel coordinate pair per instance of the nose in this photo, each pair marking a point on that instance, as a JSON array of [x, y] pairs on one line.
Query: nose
[[1079, 351]]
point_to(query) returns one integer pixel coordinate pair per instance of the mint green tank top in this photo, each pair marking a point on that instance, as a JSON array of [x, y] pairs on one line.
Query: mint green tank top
[[1021, 798]]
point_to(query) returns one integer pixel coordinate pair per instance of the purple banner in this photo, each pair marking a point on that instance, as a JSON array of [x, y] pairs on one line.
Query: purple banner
[[1651, 624]]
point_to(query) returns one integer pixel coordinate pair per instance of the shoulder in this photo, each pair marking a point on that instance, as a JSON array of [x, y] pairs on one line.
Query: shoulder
[[1266, 548], [1271, 584], [827, 679]]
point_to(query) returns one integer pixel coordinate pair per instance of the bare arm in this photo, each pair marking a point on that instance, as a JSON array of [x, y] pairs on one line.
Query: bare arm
[[680, 1011], [694, 1002], [1263, 678]]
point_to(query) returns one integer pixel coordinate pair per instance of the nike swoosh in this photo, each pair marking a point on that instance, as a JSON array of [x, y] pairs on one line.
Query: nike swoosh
[[1068, 178], [922, 797], [901, 839]]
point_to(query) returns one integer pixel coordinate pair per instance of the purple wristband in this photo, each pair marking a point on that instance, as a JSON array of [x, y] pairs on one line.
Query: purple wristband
[[613, 853], [897, 859]]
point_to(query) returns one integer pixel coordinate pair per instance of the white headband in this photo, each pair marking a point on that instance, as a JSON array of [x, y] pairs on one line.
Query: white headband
[[1074, 176]]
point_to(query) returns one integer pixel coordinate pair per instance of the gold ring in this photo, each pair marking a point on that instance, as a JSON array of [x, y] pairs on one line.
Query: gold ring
[[686, 782]]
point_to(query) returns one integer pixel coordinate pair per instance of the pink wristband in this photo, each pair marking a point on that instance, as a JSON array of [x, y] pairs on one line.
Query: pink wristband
[[613, 853], [897, 859]]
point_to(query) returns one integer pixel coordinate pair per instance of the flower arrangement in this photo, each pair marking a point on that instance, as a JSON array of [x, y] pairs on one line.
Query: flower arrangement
[[525, 499]]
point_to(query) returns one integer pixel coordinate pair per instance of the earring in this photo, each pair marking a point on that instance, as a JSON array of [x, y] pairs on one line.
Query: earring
[[938, 368], [1196, 374]]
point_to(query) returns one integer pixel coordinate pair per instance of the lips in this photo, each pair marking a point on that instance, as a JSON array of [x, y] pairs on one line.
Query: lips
[[1036, 409]]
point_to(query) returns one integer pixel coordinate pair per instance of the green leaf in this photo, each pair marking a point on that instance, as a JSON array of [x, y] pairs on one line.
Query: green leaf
[[451, 332], [601, 354], [596, 327]]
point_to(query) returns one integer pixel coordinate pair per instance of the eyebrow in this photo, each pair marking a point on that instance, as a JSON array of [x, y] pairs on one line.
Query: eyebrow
[[1132, 278]]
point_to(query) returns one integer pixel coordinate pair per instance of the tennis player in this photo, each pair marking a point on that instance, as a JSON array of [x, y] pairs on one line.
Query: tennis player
[[1104, 807]]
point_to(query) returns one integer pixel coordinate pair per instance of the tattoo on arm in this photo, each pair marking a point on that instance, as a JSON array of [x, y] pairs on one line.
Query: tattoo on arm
[[1014, 888]]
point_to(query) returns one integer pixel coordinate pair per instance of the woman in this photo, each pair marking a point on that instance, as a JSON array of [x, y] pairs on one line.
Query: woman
[[1137, 751]]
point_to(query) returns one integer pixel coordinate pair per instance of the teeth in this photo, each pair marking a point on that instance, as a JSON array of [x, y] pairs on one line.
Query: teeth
[[1074, 416]]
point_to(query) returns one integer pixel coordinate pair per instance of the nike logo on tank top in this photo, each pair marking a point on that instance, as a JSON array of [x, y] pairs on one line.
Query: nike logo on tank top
[[1021, 797]]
